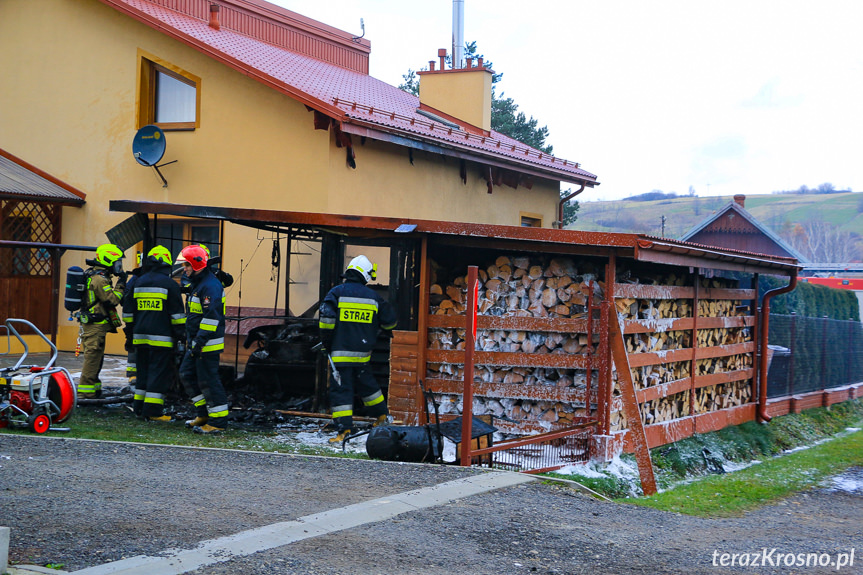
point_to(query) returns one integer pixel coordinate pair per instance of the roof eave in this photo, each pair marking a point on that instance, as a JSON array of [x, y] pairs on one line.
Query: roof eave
[[79, 198], [668, 252], [413, 140], [42, 200]]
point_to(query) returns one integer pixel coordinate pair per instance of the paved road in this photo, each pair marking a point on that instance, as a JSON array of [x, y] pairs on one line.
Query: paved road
[[102, 507]]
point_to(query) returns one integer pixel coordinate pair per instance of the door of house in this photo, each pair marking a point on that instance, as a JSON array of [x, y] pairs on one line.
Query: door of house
[[26, 272]]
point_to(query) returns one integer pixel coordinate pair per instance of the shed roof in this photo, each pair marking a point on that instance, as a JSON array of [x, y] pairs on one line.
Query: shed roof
[[361, 104], [636, 246], [717, 222], [22, 181]]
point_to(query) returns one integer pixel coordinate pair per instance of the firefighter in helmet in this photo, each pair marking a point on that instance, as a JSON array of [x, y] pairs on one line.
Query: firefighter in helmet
[[205, 341], [99, 314], [351, 316], [226, 279], [158, 327]]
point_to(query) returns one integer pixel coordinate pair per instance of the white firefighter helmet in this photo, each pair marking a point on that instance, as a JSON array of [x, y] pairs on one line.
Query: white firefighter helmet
[[367, 269]]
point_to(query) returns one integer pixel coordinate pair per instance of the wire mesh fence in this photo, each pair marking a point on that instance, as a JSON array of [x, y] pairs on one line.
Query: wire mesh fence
[[545, 455], [811, 354]]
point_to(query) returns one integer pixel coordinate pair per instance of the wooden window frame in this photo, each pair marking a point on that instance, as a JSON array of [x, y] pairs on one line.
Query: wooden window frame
[[148, 66], [531, 216]]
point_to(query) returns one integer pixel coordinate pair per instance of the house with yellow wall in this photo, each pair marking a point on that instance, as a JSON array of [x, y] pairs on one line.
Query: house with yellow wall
[[260, 108]]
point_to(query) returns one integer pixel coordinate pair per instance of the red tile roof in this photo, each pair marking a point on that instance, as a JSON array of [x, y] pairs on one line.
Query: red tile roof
[[350, 97]]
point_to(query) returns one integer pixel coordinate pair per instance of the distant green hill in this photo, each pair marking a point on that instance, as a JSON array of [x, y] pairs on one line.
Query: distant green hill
[[775, 211]]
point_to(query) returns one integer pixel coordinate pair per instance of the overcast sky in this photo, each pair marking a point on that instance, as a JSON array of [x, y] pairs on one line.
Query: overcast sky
[[727, 97]]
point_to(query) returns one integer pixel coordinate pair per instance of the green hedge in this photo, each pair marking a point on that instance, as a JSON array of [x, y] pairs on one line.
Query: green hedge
[[810, 300]]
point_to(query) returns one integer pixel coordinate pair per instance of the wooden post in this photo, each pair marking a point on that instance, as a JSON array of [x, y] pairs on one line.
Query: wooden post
[[756, 331], [469, 347], [630, 403], [422, 325], [693, 365], [606, 385]]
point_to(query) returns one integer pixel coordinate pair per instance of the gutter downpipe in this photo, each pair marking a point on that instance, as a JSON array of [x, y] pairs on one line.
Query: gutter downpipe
[[563, 201], [765, 324]]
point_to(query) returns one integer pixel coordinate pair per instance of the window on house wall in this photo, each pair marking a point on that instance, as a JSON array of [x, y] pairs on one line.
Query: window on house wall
[[531, 220], [177, 234], [167, 95]]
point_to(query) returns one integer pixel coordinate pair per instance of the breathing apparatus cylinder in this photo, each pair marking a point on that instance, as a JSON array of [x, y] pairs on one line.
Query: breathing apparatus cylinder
[[74, 288]]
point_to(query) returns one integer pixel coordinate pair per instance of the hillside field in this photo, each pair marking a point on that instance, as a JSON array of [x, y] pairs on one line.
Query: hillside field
[[844, 210]]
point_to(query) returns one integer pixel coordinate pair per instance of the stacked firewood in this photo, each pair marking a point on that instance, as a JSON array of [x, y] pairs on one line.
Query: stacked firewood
[[547, 413], [519, 287], [617, 421], [657, 341], [653, 309], [514, 341], [665, 408], [658, 314], [723, 336], [650, 375], [722, 364], [551, 377], [722, 396]]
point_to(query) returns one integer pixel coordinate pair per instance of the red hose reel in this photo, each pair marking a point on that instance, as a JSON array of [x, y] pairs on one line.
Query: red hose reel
[[23, 400], [34, 396]]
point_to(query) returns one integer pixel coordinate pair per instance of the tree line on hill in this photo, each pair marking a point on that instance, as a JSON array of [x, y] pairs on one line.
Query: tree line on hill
[[653, 195], [825, 188]]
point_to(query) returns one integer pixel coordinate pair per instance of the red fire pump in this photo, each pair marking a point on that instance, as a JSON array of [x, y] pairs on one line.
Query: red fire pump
[[34, 396]]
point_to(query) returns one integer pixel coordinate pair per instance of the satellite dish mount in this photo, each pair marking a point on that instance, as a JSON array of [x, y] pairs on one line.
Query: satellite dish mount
[[148, 147]]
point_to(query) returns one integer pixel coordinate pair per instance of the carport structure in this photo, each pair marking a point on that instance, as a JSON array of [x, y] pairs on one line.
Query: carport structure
[[620, 407]]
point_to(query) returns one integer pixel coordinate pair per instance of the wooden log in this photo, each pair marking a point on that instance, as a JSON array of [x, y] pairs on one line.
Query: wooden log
[[521, 262], [503, 261], [549, 298]]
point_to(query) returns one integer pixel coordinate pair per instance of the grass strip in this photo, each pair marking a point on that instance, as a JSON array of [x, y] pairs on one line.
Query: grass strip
[[735, 493], [119, 424]]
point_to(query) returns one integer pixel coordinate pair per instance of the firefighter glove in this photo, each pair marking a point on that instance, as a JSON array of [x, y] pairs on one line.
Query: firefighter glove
[[195, 350]]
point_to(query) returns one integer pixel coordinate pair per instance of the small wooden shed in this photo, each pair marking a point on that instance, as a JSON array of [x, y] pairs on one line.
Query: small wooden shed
[[734, 227]]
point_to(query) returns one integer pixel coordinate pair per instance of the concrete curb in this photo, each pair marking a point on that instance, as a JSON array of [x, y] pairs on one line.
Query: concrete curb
[[4, 548]]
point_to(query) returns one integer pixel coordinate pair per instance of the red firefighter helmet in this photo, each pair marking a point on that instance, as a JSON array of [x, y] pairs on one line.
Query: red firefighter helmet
[[196, 257]]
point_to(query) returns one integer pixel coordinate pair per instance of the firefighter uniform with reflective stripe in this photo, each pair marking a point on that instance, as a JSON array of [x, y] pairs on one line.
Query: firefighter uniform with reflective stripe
[[205, 338], [351, 316], [158, 325], [99, 307], [128, 304]]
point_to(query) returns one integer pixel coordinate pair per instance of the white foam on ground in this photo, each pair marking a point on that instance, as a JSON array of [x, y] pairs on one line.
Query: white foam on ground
[[321, 439], [851, 481], [615, 468], [113, 374]]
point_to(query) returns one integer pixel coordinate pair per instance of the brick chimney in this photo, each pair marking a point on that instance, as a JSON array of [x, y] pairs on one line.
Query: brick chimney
[[214, 16], [460, 93], [740, 199]]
